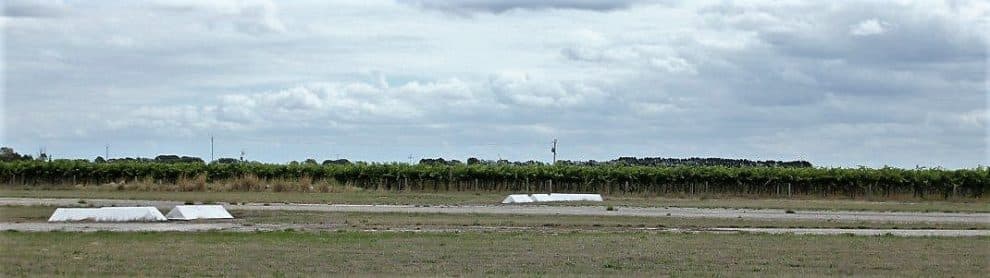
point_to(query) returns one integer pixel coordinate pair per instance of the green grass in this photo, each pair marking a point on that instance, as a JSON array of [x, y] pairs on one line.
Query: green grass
[[475, 254], [491, 198]]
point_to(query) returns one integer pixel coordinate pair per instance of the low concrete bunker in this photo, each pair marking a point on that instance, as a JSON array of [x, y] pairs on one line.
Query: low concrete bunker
[[108, 214], [552, 197], [193, 212]]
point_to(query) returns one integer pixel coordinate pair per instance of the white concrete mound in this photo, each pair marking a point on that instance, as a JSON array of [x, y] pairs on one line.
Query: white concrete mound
[[108, 214], [552, 197], [517, 198], [198, 212]]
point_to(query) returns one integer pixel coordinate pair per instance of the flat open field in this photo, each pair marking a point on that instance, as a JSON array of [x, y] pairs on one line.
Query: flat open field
[[477, 221], [722, 213], [428, 254], [489, 198], [469, 234]]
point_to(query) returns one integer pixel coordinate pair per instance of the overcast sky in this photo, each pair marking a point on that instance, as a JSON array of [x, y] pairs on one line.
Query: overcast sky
[[837, 83]]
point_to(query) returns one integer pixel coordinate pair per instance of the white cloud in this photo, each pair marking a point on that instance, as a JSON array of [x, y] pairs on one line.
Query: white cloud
[[869, 27], [674, 65], [121, 41], [520, 88]]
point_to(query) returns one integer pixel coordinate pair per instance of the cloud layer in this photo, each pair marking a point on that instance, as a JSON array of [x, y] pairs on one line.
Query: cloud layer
[[872, 83]]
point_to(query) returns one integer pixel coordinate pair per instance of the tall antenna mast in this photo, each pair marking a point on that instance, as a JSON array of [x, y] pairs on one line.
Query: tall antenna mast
[[211, 148], [106, 152], [554, 151]]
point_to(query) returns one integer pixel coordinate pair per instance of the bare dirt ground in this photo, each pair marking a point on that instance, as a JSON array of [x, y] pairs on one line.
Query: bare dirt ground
[[762, 214]]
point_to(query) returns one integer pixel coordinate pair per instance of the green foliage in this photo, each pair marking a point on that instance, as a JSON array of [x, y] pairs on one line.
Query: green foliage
[[507, 177]]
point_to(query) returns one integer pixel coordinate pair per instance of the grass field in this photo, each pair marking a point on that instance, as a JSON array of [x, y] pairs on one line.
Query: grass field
[[490, 198], [412, 221], [458, 254]]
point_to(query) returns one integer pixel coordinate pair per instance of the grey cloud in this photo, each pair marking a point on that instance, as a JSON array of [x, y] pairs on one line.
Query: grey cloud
[[28, 8], [249, 16], [500, 6]]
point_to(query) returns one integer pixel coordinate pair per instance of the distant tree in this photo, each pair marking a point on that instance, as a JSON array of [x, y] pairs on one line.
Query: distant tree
[[310, 162], [130, 159], [432, 161], [336, 162], [167, 158], [171, 158], [227, 160], [99, 159], [473, 161], [191, 159], [8, 154]]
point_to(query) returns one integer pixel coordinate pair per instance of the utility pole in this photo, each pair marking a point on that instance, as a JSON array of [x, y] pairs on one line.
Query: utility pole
[[410, 159], [242, 155], [554, 151], [211, 148], [106, 152]]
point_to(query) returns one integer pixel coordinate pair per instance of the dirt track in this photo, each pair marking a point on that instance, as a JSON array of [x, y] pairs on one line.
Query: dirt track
[[761, 214]]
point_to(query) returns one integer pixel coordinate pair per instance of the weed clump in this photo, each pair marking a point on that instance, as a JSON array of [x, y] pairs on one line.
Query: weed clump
[[247, 182], [323, 187], [305, 184]]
